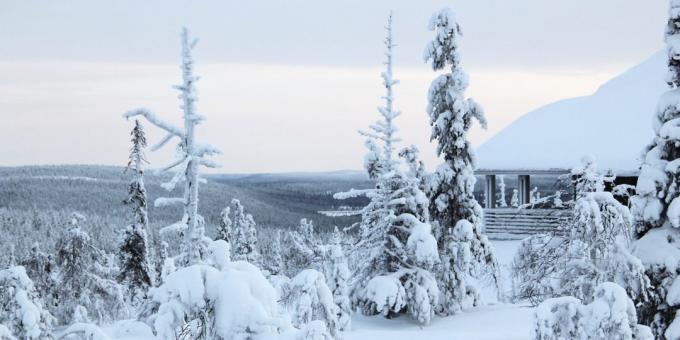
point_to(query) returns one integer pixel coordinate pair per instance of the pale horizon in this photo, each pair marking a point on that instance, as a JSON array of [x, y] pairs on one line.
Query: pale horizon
[[66, 98]]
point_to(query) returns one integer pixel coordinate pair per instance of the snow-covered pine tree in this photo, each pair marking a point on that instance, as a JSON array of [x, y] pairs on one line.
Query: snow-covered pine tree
[[22, 313], [133, 255], [656, 206], [80, 282], [224, 228], [501, 192], [451, 187], [244, 244], [338, 277], [191, 156], [395, 240]]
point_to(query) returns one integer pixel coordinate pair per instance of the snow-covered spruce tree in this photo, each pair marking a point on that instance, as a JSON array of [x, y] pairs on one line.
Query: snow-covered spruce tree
[[133, 251], [272, 258], [309, 298], [40, 268], [244, 243], [611, 315], [451, 189], [395, 240], [191, 156], [224, 228], [303, 249], [22, 312], [338, 277], [656, 206], [81, 280]]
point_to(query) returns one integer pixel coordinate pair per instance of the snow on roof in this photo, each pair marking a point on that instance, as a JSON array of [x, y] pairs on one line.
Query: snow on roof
[[614, 125]]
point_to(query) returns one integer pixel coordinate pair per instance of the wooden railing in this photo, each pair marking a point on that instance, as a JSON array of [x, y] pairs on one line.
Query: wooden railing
[[516, 224]]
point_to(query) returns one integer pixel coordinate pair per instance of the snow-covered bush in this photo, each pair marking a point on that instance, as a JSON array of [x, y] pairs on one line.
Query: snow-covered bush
[[22, 313], [559, 319], [594, 248], [202, 302], [451, 188], [309, 298], [611, 316], [536, 267]]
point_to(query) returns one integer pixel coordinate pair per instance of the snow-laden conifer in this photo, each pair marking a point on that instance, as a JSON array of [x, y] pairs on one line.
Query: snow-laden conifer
[[244, 244], [338, 277], [451, 186], [191, 156], [82, 278], [133, 255], [395, 241], [656, 205]]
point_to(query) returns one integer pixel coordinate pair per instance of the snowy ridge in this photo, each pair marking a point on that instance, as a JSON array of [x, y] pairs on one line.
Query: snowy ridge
[[613, 124]]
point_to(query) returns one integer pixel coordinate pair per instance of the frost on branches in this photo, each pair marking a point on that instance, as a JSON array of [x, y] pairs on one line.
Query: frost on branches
[[594, 249], [656, 206], [395, 241], [135, 271], [22, 314], [610, 315], [191, 155], [451, 186]]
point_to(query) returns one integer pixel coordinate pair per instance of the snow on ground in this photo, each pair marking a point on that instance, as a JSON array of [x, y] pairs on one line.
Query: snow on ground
[[491, 322], [506, 322]]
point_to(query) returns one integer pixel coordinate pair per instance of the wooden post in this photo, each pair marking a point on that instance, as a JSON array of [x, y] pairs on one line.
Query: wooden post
[[490, 191], [524, 187]]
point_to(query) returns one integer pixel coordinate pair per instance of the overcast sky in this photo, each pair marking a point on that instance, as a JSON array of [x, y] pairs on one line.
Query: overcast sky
[[286, 84]]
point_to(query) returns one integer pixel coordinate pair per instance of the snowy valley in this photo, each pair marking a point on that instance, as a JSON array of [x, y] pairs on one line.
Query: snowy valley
[[564, 225]]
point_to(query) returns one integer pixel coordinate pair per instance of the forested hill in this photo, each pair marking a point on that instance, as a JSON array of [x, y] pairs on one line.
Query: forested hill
[[274, 200]]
